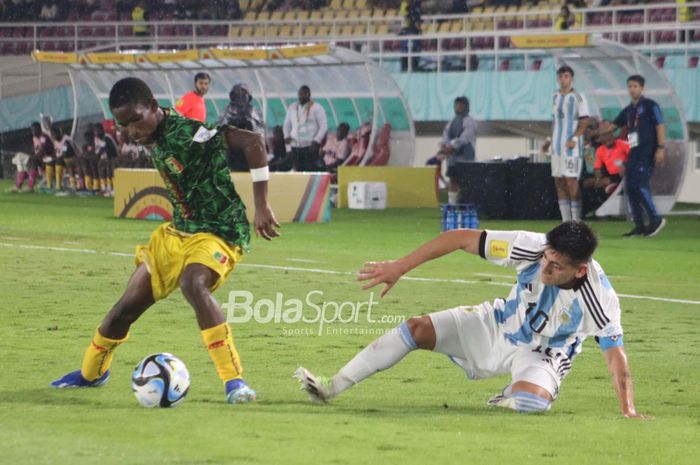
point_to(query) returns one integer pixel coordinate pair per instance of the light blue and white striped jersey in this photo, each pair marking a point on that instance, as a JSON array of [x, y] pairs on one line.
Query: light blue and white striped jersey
[[567, 109], [535, 314]]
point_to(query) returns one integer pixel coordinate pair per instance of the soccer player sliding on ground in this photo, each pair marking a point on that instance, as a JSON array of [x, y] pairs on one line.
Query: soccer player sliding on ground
[[561, 296], [200, 247]]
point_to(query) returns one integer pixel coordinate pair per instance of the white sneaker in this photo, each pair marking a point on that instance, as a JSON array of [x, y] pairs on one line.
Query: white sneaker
[[499, 400], [319, 389]]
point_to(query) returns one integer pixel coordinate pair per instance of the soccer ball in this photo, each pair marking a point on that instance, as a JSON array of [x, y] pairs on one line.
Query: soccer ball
[[160, 380]]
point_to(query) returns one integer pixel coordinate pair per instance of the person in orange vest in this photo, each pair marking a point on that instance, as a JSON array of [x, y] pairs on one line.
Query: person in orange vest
[[191, 105]]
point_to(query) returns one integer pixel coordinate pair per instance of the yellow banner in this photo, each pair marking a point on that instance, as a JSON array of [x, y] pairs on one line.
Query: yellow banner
[[303, 51], [551, 41], [55, 57], [169, 57], [238, 53], [108, 58]]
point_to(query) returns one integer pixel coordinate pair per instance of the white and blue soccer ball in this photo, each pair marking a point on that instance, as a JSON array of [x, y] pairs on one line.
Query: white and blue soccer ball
[[160, 380]]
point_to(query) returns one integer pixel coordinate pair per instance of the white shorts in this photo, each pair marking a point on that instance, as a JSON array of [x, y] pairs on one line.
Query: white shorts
[[21, 161], [564, 166], [473, 340]]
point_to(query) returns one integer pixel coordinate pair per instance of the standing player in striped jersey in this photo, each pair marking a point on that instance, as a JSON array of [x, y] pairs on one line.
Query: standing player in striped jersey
[[570, 119], [561, 297]]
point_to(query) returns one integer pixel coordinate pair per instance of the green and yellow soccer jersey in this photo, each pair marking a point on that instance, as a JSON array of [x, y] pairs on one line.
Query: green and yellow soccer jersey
[[190, 157]]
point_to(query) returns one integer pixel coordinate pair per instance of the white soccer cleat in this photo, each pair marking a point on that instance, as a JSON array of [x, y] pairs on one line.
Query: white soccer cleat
[[499, 400], [319, 389]]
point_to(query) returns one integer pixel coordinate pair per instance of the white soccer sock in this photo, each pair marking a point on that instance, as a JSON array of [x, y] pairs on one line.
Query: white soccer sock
[[565, 209], [576, 210], [383, 353], [452, 197]]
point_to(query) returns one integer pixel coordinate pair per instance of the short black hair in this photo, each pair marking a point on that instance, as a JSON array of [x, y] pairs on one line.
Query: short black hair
[[464, 100], [565, 69], [36, 124], [56, 129], [199, 76], [575, 239], [130, 90], [637, 78], [344, 125], [306, 88]]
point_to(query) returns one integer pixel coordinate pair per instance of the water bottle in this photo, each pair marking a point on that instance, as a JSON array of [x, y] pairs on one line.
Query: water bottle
[[474, 218], [451, 217]]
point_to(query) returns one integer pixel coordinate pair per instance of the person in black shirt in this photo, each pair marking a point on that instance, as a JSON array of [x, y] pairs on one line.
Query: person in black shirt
[[646, 134]]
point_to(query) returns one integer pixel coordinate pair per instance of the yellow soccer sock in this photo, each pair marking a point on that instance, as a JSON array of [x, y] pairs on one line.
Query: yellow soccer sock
[[49, 171], [71, 181], [109, 184], [98, 356], [88, 182], [59, 177], [219, 342], [103, 184]]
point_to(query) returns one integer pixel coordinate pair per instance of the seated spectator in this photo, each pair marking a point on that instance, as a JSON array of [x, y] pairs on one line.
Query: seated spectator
[[610, 161], [565, 19], [49, 11], [337, 148], [281, 157]]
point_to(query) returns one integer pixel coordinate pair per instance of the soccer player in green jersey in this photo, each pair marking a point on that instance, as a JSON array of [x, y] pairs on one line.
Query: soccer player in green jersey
[[197, 250]]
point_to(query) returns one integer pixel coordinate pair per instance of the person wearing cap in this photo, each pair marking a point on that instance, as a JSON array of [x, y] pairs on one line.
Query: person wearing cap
[[458, 146]]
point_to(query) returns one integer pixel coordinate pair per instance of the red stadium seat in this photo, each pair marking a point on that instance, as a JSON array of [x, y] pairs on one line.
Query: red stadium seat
[[380, 151], [693, 62]]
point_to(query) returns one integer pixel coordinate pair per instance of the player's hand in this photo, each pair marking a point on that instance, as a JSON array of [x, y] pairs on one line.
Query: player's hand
[[387, 273], [447, 149], [570, 144], [265, 223], [660, 157]]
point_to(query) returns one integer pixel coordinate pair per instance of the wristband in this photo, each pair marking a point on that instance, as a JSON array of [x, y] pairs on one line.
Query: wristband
[[260, 174]]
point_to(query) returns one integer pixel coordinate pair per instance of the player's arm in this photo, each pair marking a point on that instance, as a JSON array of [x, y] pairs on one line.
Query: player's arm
[[621, 378], [660, 136], [390, 272], [253, 147]]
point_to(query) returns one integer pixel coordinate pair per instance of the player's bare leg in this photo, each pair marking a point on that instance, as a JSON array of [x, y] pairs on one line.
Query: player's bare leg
[[563, 197], [112, 332], [195, 283], [137, 298], [574, 193]]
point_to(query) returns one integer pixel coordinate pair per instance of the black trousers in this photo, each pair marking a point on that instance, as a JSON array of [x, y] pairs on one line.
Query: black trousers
[[303, 159]]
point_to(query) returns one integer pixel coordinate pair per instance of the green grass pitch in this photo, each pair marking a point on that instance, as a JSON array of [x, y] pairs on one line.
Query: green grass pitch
[[57, 280]]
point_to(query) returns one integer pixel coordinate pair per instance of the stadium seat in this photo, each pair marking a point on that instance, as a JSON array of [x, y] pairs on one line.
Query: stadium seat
[[659, 61], [380, 151], [693, 62], [250, 16], [309, 30]]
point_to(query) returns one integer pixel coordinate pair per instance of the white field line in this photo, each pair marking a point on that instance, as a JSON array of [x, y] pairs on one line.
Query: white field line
[[333, 272]]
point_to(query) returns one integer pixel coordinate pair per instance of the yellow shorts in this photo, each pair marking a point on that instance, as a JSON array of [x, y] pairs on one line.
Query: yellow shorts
[[169, 251]]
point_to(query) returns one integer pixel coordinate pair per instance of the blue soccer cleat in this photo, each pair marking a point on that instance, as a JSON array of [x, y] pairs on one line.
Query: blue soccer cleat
[[75, 380], [238, 392]]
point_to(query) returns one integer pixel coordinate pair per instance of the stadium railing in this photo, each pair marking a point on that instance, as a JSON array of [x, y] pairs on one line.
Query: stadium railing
[[652, 28]]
